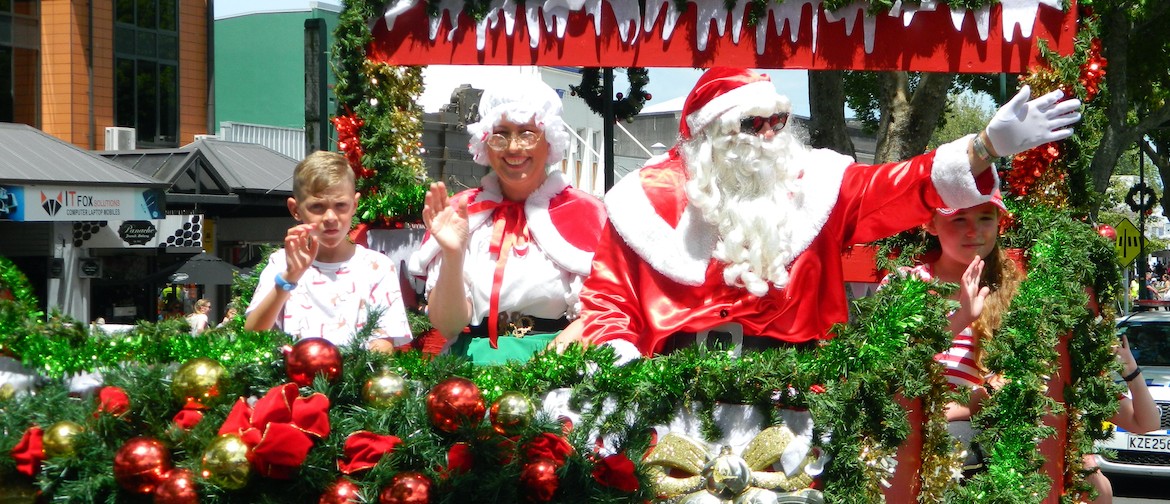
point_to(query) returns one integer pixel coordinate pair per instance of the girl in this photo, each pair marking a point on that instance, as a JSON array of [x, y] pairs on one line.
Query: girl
[[968, 254]]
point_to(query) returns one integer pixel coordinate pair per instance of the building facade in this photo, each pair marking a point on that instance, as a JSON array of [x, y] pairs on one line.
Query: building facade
[[74, 68]]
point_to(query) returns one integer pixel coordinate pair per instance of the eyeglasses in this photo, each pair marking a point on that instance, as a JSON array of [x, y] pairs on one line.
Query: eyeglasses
[[525, 140], [755, 124]]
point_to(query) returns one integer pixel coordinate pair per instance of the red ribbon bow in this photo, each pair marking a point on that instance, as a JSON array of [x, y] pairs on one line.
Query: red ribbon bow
[[280, 428], [363, 450], [188, 418], [548, 446], [30, 451], [509, 232], [112, 400], [616, 471], [459, 460]]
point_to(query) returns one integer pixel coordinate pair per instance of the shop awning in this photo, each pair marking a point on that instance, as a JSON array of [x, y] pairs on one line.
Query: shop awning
[[43, 178], [215, 172]]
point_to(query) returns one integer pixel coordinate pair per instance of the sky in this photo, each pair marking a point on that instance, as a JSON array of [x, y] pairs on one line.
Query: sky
[[667, 85]]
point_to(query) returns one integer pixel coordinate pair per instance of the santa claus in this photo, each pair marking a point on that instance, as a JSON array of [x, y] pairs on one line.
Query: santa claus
[[740, 227]]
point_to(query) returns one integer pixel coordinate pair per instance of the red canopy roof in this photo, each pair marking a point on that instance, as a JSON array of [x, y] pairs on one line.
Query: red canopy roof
[[794, 34]]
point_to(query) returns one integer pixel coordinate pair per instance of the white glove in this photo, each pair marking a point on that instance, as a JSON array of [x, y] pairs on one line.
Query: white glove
[[1021, 124]]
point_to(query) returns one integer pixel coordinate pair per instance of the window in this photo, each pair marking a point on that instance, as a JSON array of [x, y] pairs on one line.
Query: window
[[146, 70], [20, 64]]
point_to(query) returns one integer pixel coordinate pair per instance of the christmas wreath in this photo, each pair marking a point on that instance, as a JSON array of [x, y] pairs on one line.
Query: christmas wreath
[[1141, 198], [626, 106]]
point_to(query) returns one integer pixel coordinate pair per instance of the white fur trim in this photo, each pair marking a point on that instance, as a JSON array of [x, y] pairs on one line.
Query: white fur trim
[[623, 351], [540, 224], [546, 234], [759, 95], [951, 174], [680, 254], [821, 185]]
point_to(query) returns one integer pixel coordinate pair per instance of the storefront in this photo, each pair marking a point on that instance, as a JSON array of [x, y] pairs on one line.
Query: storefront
[[54, 198]]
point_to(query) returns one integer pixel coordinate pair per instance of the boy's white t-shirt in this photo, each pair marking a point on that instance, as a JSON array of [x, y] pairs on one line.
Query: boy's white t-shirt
[[333, 300]]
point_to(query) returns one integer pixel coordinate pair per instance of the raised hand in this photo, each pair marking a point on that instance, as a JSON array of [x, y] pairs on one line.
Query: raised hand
[[1124, 355], [446, 222], [971, 295], [300, 249], [1022, 124]]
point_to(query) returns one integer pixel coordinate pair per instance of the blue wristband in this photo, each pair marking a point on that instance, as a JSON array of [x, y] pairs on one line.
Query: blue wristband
[[284, 285]]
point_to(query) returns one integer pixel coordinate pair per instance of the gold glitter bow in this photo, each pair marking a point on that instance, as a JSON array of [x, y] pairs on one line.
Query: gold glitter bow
[[726, 477]]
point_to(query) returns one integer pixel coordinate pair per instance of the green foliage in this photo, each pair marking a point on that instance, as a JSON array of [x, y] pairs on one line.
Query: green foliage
[[966, 113]]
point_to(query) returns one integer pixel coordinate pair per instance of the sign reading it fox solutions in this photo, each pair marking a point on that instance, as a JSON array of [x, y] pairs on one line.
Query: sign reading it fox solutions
[[79, 203]]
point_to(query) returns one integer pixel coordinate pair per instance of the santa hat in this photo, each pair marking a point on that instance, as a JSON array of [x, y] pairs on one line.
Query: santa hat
[[722, 90], [996, 199], [520, 100]]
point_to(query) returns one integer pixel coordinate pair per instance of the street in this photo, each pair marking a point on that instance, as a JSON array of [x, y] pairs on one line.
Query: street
[[1139, 490]]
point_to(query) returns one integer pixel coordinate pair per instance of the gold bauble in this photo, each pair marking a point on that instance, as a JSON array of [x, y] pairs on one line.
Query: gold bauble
[[384, 389], [512, 413], [196, 382], [225, 462], [7, 392], [59, 439]]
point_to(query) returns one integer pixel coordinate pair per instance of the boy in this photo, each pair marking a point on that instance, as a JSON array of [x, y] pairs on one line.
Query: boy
[[321, 284]]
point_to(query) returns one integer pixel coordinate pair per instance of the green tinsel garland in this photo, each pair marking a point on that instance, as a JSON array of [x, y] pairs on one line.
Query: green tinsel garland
[[18, 304], [62, 347]]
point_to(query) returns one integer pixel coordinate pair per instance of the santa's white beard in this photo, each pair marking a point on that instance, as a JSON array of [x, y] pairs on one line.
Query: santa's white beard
[[748, 188]]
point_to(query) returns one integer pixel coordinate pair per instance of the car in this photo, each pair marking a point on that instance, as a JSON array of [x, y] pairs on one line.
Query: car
[[1145, 454]]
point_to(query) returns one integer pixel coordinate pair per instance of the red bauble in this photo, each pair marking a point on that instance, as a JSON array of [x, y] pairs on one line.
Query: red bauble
[[309, 357], [1107, 231], [407, 488], [178, 488], [454, 403], [342, 491], [141, 464], [540, 480]]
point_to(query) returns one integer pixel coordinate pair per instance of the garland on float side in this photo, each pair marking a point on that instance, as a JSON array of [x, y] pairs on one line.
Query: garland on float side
[[849, 385], [865, 368]]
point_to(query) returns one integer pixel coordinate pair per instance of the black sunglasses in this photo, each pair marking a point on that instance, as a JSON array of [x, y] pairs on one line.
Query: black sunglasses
[[755, 124]]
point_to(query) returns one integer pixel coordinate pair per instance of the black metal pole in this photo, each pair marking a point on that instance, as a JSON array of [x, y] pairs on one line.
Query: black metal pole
[[607, 130], [1143, 263]]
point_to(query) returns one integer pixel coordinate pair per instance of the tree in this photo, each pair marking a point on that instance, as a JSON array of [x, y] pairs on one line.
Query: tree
[[902, 108], [965, 113], [1136, 110]]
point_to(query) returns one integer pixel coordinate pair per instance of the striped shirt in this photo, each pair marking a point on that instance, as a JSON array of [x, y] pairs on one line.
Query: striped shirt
[[960, 367]]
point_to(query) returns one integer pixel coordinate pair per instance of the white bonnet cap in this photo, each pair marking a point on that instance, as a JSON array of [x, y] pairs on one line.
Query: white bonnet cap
[[520, 100]]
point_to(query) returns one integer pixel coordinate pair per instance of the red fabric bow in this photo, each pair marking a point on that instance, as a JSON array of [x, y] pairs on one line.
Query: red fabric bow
[[509, 231], [29, 452], [616, 471], [363, 450], [459, 460], [112, 400], [549, 446], [188, 418], [280, 428]]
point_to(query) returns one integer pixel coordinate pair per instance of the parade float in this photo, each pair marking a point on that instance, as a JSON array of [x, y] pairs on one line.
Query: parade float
[[238, 416]]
